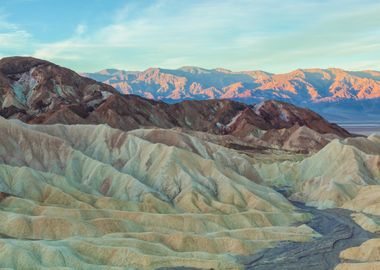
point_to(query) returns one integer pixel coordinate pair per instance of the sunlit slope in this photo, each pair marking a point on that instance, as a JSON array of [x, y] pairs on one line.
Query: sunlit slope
[[332, 177], [92, 197], [365, 256], [345, 174]]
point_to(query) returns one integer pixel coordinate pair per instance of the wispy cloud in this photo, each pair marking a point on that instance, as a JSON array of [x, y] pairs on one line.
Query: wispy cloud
[[11, 36], [240, 34], [80, 29]]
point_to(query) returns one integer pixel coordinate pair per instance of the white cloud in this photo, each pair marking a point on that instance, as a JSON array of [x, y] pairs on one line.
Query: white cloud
[[11, 36], [162, 36], [80, 29], [14, 40], [239, 34], [65, 50]]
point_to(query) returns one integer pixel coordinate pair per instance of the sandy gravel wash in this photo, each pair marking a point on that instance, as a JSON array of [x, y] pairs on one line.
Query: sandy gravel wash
[[338, 232]]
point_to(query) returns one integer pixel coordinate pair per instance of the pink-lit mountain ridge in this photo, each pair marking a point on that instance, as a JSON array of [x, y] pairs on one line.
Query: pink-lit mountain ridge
[[301, 85], [337, 94]]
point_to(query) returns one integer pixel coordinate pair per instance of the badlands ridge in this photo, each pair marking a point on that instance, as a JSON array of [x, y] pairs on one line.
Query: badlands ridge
[[93, 179]]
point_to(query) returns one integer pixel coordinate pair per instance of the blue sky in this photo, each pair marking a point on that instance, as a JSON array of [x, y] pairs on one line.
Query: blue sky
[[271, 35]]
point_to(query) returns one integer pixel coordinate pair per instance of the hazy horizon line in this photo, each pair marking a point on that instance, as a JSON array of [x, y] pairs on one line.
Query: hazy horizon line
[[193, 66]]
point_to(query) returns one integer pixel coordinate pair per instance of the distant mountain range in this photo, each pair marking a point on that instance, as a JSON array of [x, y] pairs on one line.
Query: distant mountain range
[[39, 92], [335, 93]]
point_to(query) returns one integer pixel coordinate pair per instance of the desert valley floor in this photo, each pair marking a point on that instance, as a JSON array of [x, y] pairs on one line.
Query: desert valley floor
[[362, 128]]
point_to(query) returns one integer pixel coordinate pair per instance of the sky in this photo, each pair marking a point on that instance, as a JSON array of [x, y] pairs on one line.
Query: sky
[[272, 35]]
